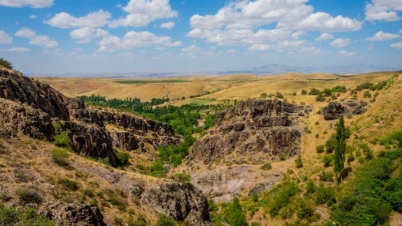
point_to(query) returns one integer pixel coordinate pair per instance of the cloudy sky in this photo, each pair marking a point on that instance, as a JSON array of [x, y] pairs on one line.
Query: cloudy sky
[[118, 36]]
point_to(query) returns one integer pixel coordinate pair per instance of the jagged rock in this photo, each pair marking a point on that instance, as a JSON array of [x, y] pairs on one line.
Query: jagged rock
[[16, 87], [334, 110], [261, 187], [182, 202], [74, 214], [254, 125]]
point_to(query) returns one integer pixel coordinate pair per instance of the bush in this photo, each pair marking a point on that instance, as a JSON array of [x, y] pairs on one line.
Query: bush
[[311, 188], [282, 157], [62, 140], [279, 95], [282, 198], [304, 92], [6, 64], [23, 217], [123, 157], [320, 98], [236, 215], [327, 176], [325, 195], [182, 177], [68, 184], [320, 149], [165, 221], [328, 160], [140, 221], [266, 166], [299, 162], [306, 210], [314, 91], [29, 195], [59, 156]]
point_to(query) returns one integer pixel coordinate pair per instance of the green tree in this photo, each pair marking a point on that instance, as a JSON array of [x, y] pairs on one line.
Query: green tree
[[5, 63], [236, 215], [340, 147]]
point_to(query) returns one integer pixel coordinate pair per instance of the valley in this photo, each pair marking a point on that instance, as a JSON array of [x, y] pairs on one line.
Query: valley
[[203, 150]]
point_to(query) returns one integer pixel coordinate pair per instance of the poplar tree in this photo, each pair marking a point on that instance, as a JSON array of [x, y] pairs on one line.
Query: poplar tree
[[340, 147]]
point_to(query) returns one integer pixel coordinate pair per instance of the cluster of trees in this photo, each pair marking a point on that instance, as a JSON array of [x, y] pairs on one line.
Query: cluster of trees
[[6, 64], [206, 93]]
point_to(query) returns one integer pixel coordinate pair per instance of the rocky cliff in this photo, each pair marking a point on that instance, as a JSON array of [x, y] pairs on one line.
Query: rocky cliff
[[230, 156], [253, 126], [31, 108], [35, 106], [335, 109]]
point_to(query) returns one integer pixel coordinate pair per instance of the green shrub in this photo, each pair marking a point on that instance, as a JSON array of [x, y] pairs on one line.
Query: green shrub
[[282, 157], [6, 64], [23, 217], [311, 188], [328, 160], [122, 157], [304, 92], [266, 166], [120, 204], [182, 177], [305, 209], [320, 149], [57, 127], [68, 184], [299, 162], [140, 221], [327, 176], [236, 215], [118, 221], [62, 140], [165, 221], [330, 144], [255, 197], [59, 156], [314, 91], [89, 193], [282, 197], [279, 95], [325, 195], [29, 195]]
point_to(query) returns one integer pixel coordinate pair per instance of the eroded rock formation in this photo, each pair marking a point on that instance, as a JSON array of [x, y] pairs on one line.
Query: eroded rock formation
[[335, 109], [252, 126]]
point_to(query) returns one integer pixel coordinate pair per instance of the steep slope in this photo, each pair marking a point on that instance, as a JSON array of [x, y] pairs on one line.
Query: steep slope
[[63, 188]]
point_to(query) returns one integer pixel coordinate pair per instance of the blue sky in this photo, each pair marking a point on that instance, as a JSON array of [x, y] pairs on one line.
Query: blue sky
[[133, 36]]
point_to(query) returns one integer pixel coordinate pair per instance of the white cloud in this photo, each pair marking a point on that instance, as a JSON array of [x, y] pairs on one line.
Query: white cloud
[[341, 42], [290, 14], [383, 10], [93, 19], [260, 47], [400, 31], [5, 38], [192, 48], [85, 34], [28, 3], [396, 45], [324, 36], [382, 36], [142, 12], [231, 51], [33, 16], [371, 47], [134, 39], [17, 50], [41, 40], [168, 25], [345, 53], [322, 22]]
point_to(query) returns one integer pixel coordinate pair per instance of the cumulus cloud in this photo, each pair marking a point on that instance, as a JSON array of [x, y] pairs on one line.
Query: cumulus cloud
[[27, 3], [93, 19], [143, 12], [383, 10], [396, 45], [168, 25], [5, 38], [345, 53], [341, 42], [134, 39], [33, 16], [41, 40], [382, 36], [324, 36], [86, 34]]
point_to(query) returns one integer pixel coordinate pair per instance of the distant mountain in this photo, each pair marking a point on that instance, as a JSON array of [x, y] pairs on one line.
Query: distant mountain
[[275, 69]]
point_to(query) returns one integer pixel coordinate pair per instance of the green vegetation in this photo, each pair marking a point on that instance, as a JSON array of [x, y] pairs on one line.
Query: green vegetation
[[236, 215], [5, 63], [68, 184], [340, 147], [61, 140], [182, 177], [59, 156], [122, 157], [165, 221], [140, 221], [23, 217], [29, 195], [133, 82]]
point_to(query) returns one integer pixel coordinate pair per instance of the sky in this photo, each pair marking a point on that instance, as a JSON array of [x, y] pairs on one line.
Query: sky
[[157, 36]]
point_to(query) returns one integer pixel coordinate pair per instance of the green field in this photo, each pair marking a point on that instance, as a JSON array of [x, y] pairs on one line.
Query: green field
[[130, 82]]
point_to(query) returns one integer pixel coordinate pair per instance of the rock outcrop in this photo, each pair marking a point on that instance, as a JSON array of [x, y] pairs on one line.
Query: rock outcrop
[[334, 110], [74, 214], [253, 126], [32, 107], [182, 202]]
